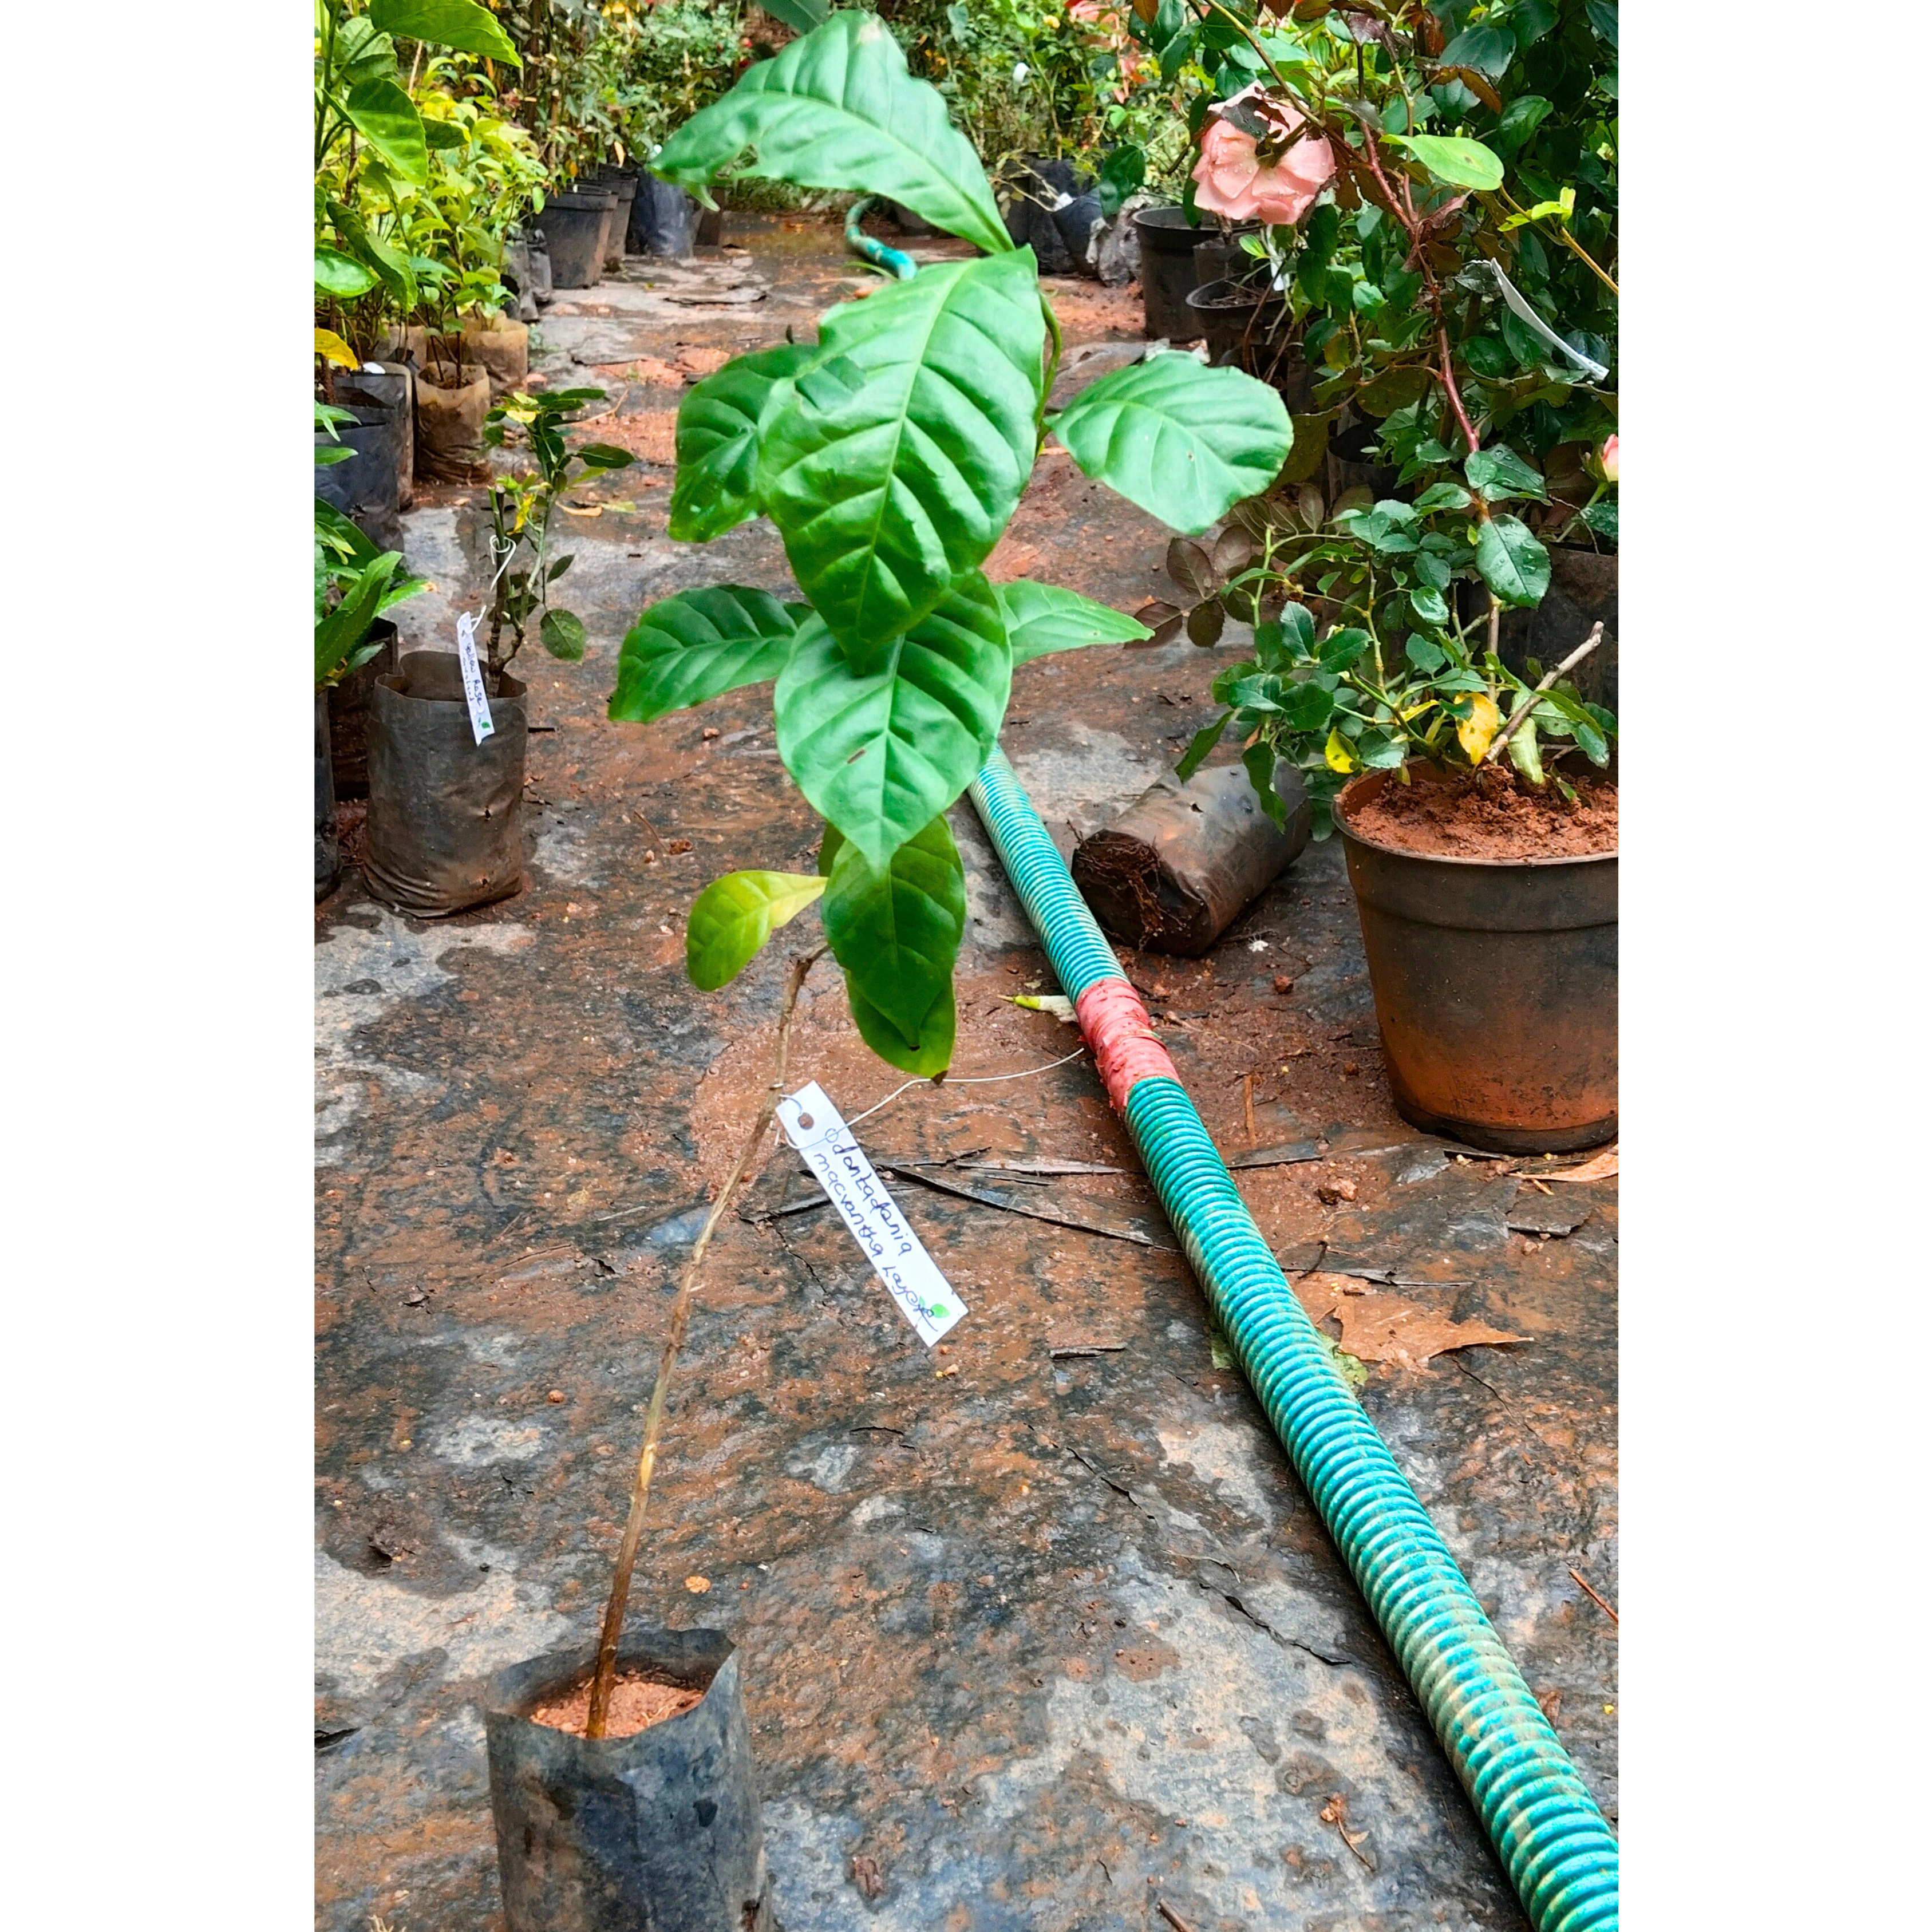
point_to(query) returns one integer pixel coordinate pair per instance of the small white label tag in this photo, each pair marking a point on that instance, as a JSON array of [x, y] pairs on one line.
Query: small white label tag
[[817, 1130], [481, 723]]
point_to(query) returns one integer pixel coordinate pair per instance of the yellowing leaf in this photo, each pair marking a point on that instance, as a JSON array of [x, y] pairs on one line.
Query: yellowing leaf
[[1340, 758], [331, 346], [1475, 732]]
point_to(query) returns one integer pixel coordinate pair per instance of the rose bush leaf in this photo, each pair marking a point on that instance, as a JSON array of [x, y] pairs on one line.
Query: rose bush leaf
[[899, 457], [838, 109], [1185, 443], [734, 916], [718, 441], [1455, 159], [881, 753], [1512, 562], [692, 647]]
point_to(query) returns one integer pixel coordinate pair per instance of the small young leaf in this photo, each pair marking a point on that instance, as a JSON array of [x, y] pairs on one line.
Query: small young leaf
[[562, 635], [1199, 746], [733, 916]]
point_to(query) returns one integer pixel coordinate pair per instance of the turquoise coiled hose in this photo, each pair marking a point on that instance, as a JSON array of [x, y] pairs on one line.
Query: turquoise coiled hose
[[1553, 1841]]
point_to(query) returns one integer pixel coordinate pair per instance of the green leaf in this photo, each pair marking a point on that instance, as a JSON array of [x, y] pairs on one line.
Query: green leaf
[[1521, 119], [1199, 746], [1123, 171], [344, 627], [1523, 753], [604, 456], [1259, 758], [1584, 725], [900, 454], [1185, 443], [1343, 649], [896, 929], [443, 135], [1041, 617], [329, 455], [336, 274], [1455, 159], [882, 753], [690, 648], [562, 635], [390, 265], [718, 441], [382, 113], [460, 24], [838, 109], [1602, 15], [801, 15], [1512, 562], [1423, 652], [934, 1052], [1430, 606], [1442, 497], [733, 916], [1498, 472], [1488, 50], [1601, 517]]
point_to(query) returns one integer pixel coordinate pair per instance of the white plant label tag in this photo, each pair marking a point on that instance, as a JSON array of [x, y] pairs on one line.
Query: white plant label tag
[[817, 1130], [481, 724]]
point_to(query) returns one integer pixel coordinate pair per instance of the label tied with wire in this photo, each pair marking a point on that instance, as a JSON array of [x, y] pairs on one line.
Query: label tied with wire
[[817, 1130], [481, 724]]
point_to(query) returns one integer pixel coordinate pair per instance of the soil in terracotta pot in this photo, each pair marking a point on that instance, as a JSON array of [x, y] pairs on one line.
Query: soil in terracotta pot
[[1489, 814], [637, 1703]]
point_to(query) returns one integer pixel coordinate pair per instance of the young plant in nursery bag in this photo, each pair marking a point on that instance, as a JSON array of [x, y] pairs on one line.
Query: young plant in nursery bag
[[521, 506], [890, 455]]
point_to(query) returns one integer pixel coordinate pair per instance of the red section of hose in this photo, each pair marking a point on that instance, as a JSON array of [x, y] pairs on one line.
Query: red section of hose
[[1117, 1027]]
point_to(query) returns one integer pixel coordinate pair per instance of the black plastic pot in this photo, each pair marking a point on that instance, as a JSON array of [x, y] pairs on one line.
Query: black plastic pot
[[365, 488], [390, 387], [573, 225], [1348, 465], [445, 814], [1245, 329], [1167, 272], [710, 228], [1035, 183], [1076, 223], [625, 186], [664, 219], [328, 847], [1495, 986], [348, 714], [657, 1832]]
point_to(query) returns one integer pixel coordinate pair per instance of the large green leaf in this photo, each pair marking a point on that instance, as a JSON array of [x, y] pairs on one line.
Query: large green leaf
[[932, 1054], [1452, 158], [896, 929], [900, 454], [390, 266], [382, 113], [1184, 442], [693, 646], [459, 24], [338, 633], [718, 441], [1041, 617], [734, 916], [1512, 563], [801, 15], [881, 753], [336, 274], [837, 109]]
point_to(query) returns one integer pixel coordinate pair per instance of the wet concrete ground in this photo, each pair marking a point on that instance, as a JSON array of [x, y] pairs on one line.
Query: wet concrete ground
[[1048, 1639]]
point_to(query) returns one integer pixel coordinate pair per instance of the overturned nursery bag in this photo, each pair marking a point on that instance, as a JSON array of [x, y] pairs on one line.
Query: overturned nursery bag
[[445, 814], [664, 219], [449, 421], [1181, 864]]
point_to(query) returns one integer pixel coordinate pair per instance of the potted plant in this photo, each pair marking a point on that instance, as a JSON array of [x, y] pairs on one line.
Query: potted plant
[[355, 584], [890, 455], [1479, 828], [445, 811]]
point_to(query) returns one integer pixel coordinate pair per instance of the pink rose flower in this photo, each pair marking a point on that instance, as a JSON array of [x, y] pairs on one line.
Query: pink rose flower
[[1232, 179], [1610, 460]]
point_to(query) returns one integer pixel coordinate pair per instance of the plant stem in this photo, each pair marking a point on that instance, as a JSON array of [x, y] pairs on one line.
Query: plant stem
[[1568, 240], [1528, 704], [602, 1683]]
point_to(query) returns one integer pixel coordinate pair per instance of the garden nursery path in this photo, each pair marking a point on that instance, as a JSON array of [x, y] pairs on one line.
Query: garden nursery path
[[1038, 1631]]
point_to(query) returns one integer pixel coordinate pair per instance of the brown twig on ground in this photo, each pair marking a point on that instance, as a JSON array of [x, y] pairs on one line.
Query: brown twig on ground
[[603, 1682], [1172, 1917], [1583, 1584], [1528, 704]]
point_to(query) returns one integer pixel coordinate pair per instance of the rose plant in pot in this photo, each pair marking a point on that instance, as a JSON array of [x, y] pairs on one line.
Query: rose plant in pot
[[890, 455], [445, 811]]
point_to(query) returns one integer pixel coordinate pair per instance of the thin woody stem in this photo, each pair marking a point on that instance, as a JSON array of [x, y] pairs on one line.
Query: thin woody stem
[[602, 1683], [1528, 704]]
